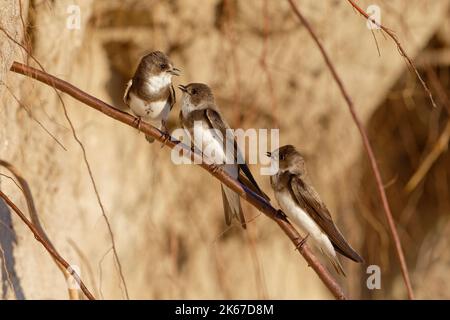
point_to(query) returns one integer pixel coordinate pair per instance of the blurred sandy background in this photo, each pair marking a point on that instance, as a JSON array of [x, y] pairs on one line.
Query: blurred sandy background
[[266, 73]]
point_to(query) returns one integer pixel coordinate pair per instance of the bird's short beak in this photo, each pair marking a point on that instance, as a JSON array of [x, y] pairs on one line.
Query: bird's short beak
[[182, 88], [269, 154], [175, 71]]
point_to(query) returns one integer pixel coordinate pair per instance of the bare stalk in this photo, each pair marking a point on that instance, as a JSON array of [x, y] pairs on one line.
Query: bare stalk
[[47, 245]]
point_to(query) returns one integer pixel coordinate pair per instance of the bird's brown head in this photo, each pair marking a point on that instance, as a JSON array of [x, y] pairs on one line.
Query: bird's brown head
[[288, 159], [197, 95], [157, 63]]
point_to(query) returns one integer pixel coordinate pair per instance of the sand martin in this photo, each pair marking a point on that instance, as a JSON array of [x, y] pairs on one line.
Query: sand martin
[[200, 114], [150, 94], [303, 206]]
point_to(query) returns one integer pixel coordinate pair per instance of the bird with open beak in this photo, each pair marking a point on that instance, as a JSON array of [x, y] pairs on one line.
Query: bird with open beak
[[200, 115], [150, 94], [303, 206]]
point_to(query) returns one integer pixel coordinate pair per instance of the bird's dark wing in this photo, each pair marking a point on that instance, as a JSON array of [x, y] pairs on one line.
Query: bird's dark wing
[[172, 97], [245, 175], [308, 199], [127, 90]]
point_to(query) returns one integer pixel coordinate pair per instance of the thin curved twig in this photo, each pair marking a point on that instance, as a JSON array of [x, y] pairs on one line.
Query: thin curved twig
[[441, 144], [22, 184], [400, 49], [31, 115], [440, 147], [367, 146], [257, 201], [46, 245], [86, 162]]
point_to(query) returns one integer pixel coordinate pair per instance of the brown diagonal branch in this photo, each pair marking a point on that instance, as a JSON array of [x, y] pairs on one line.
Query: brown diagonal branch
[[51, 250], [367, 146], [22, 184], [86, 162], [253, 198]]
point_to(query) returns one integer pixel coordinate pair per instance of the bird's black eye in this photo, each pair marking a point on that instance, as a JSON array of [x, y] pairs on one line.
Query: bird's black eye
[[282, 157], [194, 91], [163, 66]]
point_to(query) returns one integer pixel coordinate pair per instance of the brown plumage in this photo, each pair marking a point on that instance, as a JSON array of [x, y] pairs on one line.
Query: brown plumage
[[150, 94], [294, 191], [198, 105]]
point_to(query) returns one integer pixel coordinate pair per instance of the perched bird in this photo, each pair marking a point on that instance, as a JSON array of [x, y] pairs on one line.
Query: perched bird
[[150, 94], [198, 108], [303, 206]]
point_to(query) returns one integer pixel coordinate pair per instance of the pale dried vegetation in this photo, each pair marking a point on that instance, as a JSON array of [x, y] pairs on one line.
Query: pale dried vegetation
[[167, 220]]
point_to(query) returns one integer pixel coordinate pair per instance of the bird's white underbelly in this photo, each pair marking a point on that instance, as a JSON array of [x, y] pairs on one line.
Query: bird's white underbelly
[[300, 218], [211, 146], [149, 111]]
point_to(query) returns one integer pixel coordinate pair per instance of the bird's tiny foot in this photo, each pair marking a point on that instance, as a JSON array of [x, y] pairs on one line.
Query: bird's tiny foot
[[281, 214], [215, 167], [166, 137], [165, 134], [301, 243], [137, 122]]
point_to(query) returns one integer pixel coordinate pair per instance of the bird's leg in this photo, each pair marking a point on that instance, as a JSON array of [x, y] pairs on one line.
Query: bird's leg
[[137, 122], [280, 214], [165, 133], [215, 167], [301, 243]]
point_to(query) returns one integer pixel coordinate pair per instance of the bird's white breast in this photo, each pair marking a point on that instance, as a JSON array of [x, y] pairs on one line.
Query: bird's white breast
[[186, 107], [157, 83], [300, 218]]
